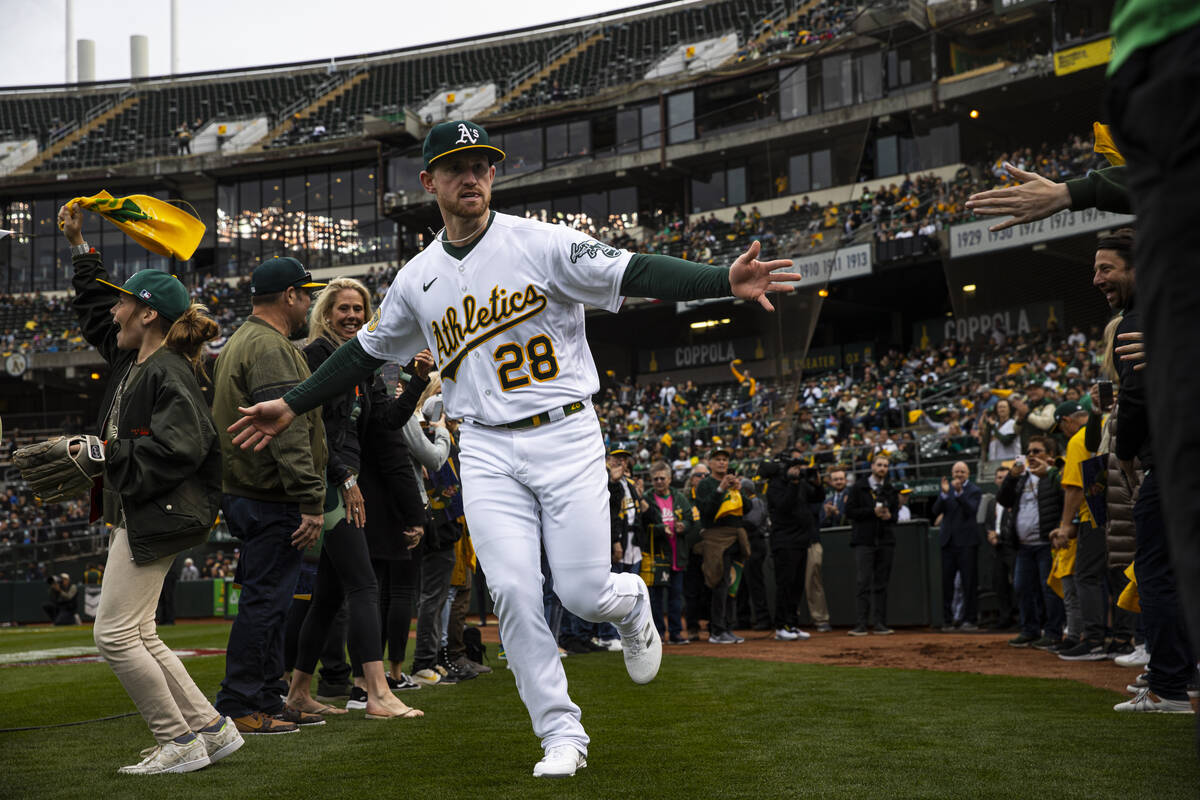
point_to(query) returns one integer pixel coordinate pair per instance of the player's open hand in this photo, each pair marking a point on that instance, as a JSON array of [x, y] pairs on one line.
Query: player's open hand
[[1035, 198], [751, 279], [260, 423]]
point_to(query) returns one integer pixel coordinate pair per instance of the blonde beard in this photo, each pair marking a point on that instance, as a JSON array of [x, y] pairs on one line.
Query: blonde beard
[[455, 208]]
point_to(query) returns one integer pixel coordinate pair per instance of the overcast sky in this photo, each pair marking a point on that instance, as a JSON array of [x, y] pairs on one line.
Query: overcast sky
[[219, 34]]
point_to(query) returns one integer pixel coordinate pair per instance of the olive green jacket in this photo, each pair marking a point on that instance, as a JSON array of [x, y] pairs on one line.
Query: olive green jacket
[[258, 363]]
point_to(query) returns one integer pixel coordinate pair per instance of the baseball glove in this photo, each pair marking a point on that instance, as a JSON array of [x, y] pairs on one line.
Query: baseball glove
[[54, 474]]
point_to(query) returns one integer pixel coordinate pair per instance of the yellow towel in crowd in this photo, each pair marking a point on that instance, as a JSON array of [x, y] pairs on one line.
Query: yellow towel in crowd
[[1062, 566], [1129, 599], [155, 224], [732, 504]]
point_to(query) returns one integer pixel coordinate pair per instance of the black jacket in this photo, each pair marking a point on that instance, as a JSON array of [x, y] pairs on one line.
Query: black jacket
[[165, 462], [344, 418], [790, 502], [1133, 420], [1050, 505], [388, 480], [865, 527], [959, 527], [623, 530]]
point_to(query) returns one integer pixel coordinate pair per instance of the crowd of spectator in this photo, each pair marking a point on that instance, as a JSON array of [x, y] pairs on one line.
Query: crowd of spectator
[[931, 405]]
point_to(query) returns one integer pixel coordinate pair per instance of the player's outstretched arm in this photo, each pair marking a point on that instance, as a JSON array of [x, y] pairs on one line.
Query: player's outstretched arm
[[1035, 198], [261, 422], [751, 279]]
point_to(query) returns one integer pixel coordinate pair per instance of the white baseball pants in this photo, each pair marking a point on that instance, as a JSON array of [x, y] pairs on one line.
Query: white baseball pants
[[545, 485]]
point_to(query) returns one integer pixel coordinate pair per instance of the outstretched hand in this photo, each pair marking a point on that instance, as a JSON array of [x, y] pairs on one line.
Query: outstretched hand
[[260, 423], [1035, 198], [751, 279]]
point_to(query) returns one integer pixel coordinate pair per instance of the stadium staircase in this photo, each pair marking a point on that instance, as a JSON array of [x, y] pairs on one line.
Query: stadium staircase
[[97, 118], [569, 55], [331, 90]]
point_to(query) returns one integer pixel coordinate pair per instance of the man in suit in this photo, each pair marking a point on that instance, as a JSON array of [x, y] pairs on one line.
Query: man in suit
[[958, 505], [871, 507]]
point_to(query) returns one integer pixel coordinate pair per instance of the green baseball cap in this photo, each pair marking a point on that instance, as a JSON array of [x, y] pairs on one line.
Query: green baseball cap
[[159, 290], [452, 137], [276, 274]]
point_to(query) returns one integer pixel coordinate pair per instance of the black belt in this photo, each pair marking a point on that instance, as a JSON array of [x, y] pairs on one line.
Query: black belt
[[545, 417]]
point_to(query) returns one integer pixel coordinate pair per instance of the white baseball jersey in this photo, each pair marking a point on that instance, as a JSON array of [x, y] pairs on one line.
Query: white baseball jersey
[[505, 324]]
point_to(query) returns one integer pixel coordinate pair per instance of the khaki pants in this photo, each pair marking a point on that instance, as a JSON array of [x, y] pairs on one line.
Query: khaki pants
[[814, 586], [127, 637]]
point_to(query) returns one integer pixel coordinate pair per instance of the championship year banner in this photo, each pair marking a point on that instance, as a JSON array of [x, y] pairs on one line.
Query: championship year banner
[[974, 238], [815, 269], [833, 265]]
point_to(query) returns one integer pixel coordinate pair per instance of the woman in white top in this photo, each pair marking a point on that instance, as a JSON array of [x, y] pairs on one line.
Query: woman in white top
[[1003, 441]]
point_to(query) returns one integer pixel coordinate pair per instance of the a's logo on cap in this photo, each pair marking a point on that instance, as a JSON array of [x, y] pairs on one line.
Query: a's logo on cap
[[145, 294], [467, 135]]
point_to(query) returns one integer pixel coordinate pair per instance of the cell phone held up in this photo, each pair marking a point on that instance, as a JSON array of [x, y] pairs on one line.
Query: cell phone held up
[[1105, 389]]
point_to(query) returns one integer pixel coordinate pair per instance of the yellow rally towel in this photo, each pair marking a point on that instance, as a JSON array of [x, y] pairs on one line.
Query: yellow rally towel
[[155, 224], [1062, 566], [732, 504], [464, 558], [1129, 599], [1105, 146], [914, 415]]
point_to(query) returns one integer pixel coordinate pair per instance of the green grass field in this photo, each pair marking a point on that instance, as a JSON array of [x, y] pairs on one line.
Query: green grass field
[[706, 728]]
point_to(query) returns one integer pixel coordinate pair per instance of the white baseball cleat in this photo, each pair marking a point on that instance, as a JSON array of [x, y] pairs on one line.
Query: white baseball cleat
[[560, 761], [643, 652]]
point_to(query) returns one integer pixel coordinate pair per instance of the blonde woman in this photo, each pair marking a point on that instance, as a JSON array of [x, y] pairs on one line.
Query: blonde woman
[[344, 571]]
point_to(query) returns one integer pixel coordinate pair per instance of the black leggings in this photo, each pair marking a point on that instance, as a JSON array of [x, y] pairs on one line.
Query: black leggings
[[397, 580], [343, 573]]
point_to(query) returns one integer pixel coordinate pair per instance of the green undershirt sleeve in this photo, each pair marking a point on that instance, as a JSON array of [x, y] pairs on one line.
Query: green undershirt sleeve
[[668, 278], [1104, 189], [348, 365]]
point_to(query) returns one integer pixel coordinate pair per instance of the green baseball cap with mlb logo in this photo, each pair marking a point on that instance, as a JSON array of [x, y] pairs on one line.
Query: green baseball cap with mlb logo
[[159, 290], [453, 137]]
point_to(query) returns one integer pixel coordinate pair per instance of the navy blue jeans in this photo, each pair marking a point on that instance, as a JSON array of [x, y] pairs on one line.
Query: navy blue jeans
[[1171, 659], [1042, 611], [668, 599], [267, 571]]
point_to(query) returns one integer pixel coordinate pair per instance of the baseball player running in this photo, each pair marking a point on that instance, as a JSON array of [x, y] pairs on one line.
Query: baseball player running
[[500, 301]]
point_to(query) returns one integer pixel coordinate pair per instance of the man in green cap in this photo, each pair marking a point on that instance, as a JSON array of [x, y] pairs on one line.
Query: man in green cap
[[500, 301], [274, 499]]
